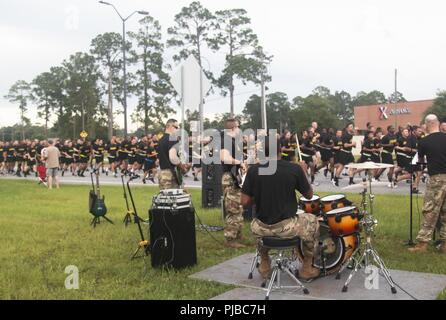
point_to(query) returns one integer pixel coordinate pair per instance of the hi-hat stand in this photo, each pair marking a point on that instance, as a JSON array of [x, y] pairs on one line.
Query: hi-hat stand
[[370, 256]]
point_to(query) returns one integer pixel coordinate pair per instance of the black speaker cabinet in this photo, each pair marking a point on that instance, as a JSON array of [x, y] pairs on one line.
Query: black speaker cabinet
[[172, 238], [212, 174], [211, 196]]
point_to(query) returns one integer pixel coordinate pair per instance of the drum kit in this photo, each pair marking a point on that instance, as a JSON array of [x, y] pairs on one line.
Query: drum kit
[[342, 228]]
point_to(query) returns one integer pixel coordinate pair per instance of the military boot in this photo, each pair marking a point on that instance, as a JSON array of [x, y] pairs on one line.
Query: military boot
[[308, 272], [420, 247]]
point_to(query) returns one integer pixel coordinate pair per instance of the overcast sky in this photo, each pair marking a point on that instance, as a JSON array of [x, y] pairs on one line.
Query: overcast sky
[[344, 44]]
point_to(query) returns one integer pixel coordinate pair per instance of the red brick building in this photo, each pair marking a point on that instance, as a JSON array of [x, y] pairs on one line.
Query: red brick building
[[399, 114]]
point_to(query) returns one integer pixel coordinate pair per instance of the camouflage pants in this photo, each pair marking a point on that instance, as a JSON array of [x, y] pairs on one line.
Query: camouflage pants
[[305, 226], [434, 209], [167, 180], [233, 208]]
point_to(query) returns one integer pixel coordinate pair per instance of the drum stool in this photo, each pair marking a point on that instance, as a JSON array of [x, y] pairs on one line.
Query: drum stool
[[281, 262]]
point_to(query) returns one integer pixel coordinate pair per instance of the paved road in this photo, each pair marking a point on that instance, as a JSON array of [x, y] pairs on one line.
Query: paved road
[[324, 184]]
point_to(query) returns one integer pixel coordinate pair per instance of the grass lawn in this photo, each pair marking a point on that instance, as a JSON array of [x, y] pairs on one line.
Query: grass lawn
[[43, 231]]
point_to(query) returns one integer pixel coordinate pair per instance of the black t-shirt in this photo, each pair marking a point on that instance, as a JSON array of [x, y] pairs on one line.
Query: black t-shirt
[[308, 146], [275, 195], [21, 149], [285, 143], [142, 148], [367, 144], [163, 152], [85, 150], [347, 138], [389, 139], [337, 143], [112, 149], [236, 150], [328, 140], [10, 150], [409, 142], [433, 147]]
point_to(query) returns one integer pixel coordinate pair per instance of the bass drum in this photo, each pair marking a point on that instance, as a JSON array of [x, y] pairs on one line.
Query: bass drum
[[337, 250]]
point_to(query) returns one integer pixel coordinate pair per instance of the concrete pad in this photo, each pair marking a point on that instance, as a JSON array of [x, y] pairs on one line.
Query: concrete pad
[[422, 286], [256, 294]]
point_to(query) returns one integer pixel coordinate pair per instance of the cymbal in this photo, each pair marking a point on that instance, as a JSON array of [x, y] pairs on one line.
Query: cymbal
[[361, 185], [369, 165]]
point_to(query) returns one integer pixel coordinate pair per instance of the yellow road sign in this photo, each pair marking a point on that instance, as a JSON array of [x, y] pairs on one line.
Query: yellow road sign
[[84, 134]]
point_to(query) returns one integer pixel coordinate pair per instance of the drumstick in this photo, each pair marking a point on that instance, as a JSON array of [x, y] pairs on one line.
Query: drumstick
[[298, 149]]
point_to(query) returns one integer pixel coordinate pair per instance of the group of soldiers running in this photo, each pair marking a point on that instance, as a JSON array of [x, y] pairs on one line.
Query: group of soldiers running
[[76, 157], [331, 150]]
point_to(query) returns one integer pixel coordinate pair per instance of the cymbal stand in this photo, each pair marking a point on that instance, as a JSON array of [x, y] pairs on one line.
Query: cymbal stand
[[370, 256]]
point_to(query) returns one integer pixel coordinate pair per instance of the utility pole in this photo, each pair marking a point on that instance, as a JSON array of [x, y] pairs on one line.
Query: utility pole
[[201, 128], [110, 107], [263, 105], [83, 116], [144, 13]]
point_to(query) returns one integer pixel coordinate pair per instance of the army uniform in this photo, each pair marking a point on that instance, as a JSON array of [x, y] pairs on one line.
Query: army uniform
[[305, 226], [167, 180], [166, 177], [434, 209], [233, 208]]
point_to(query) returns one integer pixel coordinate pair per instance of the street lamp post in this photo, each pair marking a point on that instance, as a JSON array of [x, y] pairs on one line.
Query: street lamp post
[[124, 58]]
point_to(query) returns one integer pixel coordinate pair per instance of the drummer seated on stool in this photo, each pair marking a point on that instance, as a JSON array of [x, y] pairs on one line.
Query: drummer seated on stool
[[276, 205]]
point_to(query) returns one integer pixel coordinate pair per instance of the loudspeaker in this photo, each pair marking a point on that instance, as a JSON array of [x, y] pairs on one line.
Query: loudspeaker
[[172, 238], [211, 191], [211, 196], [212, 174]]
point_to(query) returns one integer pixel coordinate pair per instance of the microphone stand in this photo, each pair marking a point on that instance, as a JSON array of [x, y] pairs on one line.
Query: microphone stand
[[143, 244], [413, 168]]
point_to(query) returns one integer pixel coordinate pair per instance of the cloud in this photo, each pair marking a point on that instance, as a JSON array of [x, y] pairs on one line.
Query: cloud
[[345, 45]]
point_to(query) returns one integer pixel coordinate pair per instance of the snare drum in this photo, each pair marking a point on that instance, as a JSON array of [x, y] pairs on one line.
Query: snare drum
[[329, 203], [312, 205], [343, 221]]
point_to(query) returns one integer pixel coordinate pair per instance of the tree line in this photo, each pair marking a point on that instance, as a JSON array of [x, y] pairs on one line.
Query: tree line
[[74, 92], [80, 92]]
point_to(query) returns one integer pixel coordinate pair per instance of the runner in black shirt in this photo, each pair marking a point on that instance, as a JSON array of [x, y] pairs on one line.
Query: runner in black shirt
[[112, 152], [388, 143], [150, 162], [337, 157], [405, 151], [308, 151], [346, 155], [285, 141], [10, 156], [2, 157], [20, 150], [84, 157]]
